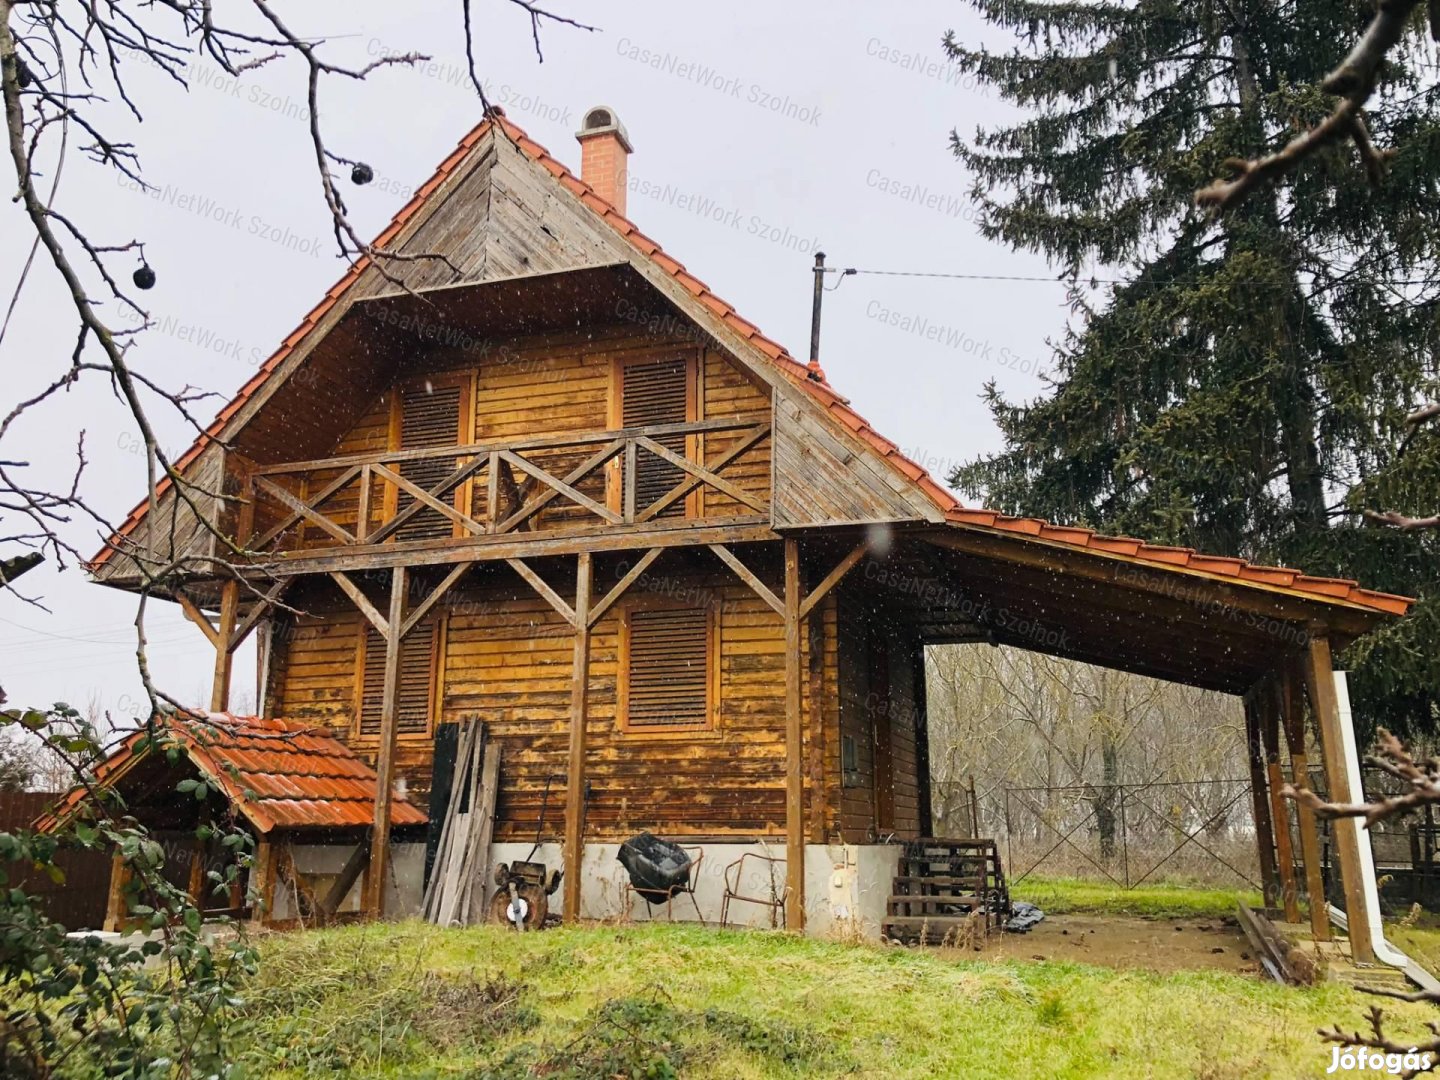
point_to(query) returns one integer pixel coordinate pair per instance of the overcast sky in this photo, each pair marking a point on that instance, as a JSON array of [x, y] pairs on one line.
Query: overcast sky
[[762, 132]]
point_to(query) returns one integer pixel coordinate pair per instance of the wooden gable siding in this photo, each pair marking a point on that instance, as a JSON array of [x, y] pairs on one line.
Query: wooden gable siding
[[506, 660], [534, 387]]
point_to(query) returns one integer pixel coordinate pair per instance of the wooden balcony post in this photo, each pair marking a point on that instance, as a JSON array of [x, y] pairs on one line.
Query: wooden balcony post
[[385, 768], [1294, 723], [224, 654], [1320, 688], [794, 746], [575, 773]]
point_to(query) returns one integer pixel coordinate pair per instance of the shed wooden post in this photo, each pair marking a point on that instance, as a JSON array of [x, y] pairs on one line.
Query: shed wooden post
[[115, 899], [1271, 708], [575, 773], [385, 768], [794, 736], [197, 874], [1260, 800], [262, 908], [1294, 722], [1320, 687], [229, 609]]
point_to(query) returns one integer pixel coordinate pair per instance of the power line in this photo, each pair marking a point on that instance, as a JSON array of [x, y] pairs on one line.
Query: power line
[[1080, 278]]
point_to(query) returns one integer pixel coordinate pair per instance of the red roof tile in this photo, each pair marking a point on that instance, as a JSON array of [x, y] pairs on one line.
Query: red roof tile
[[953, 510], [278, 773]]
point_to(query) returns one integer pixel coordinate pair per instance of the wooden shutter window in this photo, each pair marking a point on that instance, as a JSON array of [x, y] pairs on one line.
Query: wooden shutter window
[[429, 417], [669, 669], [417, 682], [656, 392]]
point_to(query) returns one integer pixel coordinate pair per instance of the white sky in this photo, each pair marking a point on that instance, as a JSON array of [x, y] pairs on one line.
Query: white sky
[[857, 128]]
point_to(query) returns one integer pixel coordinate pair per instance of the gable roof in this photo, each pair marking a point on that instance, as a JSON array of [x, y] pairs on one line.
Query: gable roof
[[939, 503], [278, 774]]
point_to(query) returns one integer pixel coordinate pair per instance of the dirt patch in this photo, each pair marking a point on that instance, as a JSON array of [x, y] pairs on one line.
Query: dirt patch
[[1121, 941]]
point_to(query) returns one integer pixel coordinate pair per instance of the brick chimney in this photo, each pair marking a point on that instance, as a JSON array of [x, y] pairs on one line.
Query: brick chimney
[[604, 155]]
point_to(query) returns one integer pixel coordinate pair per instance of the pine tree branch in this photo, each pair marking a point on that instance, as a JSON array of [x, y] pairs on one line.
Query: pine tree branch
[[1354, 80]]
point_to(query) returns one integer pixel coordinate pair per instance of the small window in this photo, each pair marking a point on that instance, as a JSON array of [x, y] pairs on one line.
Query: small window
[[669, 668], [418, 663]]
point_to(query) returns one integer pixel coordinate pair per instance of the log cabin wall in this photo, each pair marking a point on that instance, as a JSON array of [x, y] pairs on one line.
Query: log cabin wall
[[876, 770], [505, 658]]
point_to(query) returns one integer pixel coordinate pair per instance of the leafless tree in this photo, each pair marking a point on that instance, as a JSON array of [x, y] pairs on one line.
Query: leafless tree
[[67, 88]]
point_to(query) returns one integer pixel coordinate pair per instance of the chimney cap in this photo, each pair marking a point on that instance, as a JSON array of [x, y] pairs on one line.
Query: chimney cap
[[603, 120]]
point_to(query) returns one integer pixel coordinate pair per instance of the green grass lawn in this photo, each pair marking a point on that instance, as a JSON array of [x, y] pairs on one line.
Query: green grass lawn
[[406, 999], [1064, 896]]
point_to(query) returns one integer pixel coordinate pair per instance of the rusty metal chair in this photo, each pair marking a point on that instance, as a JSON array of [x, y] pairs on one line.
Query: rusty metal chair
[[734, 884], [667, 897]]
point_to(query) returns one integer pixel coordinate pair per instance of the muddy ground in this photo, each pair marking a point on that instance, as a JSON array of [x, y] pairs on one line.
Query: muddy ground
[[1120, 941]]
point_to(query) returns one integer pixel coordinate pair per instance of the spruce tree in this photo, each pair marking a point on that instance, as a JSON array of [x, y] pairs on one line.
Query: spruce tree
[[1242, 390]]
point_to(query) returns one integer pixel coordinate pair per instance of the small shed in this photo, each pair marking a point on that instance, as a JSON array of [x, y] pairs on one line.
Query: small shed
[[307, 800]]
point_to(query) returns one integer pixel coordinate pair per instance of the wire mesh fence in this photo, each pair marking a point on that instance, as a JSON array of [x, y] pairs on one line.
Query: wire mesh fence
[[1194, 833]]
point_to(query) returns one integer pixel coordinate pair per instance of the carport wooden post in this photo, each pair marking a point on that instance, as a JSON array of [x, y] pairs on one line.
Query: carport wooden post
[[1271, 709], [1320, 687], [1293, 717], [385, 768], [794, 734], [575, 772], [1264, 834]]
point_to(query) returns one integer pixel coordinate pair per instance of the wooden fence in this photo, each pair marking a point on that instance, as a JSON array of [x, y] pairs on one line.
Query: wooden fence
[[77, 902]]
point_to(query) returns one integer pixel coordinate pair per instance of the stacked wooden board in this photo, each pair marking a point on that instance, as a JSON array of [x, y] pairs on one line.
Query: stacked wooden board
[[455, 894]]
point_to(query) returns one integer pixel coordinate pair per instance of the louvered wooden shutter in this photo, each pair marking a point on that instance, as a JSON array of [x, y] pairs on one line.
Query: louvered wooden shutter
[[656, 392], [429, 417], [668, 680], [417, 691]]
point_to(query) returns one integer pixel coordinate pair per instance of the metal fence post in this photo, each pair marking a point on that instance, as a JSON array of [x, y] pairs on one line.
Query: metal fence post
[[1124, 838]]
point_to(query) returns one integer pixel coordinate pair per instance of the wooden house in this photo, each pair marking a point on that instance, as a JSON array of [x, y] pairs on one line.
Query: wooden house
[[537, 473]]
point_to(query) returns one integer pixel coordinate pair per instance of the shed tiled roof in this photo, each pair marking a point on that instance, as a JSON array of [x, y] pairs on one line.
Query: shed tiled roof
[[817, 386], [279, 774]]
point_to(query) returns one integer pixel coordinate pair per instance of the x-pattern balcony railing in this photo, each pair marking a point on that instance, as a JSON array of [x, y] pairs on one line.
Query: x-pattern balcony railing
[[491, 489]]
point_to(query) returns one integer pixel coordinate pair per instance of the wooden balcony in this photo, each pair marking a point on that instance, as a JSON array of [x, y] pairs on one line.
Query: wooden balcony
[[712, 472]]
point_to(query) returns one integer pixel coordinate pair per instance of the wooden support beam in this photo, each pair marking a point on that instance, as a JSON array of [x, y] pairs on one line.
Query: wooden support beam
[[433, 597], [302, 509], [358, 860], [1271, 715], [1320, 689], [575, 772], [361, 601], [794, 747], [1260, 799], [631, 576], [745, 574], [229, 607], [197, 874], [385, 768], [195, 615], [424, 498], [719, 483], [832, 579], [549, 595], [264, 604], [1293, 715]]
